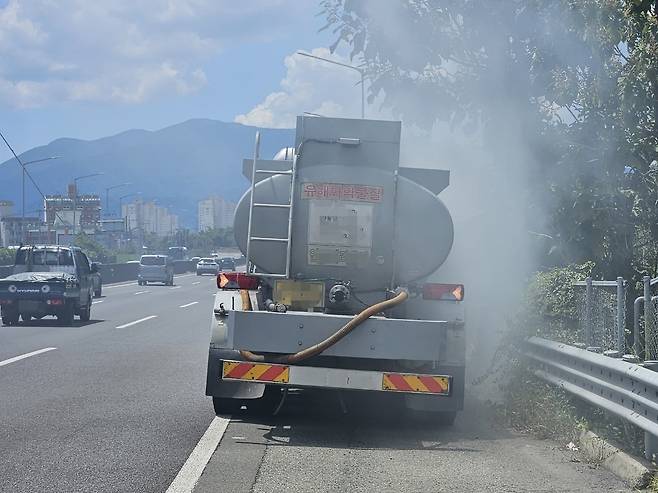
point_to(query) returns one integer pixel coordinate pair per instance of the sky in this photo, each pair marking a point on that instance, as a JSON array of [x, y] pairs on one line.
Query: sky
[[81, 69]]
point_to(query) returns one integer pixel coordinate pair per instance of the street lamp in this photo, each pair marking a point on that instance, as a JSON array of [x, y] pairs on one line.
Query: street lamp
[[107, 195], [23, 166], [360, 70], [75, 196], [125, 197]]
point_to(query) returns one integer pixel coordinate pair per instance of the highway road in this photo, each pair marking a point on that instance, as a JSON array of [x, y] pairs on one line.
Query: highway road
[[118, 405]]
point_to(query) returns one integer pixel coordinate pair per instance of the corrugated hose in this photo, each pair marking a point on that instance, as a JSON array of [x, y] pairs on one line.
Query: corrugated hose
[[320, 347]]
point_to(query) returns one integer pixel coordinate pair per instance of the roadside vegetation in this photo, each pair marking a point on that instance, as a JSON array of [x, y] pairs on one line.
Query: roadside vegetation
[[562, 98]]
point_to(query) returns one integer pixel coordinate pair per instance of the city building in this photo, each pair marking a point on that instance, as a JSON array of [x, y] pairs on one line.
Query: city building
[[14, 229], [148, 217], [215, 212], [63, 211]]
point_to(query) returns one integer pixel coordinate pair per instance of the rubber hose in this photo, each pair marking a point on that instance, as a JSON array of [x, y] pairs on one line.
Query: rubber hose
[[336, 336]]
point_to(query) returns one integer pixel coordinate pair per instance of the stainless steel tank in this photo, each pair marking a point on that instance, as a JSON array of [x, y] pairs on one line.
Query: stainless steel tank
[[357, 215]]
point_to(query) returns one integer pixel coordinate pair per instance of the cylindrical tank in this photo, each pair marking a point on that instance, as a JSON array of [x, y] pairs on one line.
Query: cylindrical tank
[[359, 224]]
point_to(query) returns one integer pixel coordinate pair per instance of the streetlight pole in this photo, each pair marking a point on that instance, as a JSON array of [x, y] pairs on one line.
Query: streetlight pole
[[107, 196], [121, 204], [23, 166], [75, 196], [361, 73]]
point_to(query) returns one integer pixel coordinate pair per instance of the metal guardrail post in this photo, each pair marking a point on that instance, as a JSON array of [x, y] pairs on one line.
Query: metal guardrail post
[[648, 320], [621, 343], [588, 312], [650, 445], [637, 341]]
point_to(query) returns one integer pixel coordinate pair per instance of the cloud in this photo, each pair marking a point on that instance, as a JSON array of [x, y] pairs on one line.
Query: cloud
[[121, 50], [312, 86]]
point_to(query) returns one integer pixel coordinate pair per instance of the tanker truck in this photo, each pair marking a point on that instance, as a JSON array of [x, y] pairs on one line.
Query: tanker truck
[[339, 241]]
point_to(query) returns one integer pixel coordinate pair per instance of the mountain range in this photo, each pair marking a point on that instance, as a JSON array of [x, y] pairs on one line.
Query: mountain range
[[177, 166]]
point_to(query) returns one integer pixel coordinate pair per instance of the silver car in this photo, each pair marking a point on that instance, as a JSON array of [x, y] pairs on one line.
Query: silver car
[[155, 268], [207, 266]]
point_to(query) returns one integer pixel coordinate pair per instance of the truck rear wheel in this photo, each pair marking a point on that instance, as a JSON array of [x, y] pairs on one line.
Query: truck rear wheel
[[85, 314], [226, 405], [9, 316], [65, 317]]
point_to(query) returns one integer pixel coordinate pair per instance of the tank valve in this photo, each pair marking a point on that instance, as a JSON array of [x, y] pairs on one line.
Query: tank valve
[[339, 293], [275, 307]]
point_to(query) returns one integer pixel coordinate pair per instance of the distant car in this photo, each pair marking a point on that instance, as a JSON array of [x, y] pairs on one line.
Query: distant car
[[155, 268], [195, 259], [97, 280], [207, 266], [226, 264]]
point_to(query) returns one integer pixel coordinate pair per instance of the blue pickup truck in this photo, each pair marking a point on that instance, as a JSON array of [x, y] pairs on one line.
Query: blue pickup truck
[[48, 280]]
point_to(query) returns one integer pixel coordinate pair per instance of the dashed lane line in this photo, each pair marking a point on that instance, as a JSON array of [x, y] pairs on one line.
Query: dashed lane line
[[97, 302], [176, 287], [129, 324], [26, 355], [188, 304], [141, 292], [196, 463]]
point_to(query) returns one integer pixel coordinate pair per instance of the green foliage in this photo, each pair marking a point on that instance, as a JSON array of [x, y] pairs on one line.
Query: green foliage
[[551, 296], [576, 82], [7, 256], [94, 250]]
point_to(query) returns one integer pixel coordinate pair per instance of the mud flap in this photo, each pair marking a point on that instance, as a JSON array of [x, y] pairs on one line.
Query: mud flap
[[216, 387]]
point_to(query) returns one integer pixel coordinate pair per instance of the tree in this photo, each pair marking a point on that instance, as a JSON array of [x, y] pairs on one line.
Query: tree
[[572, 83]]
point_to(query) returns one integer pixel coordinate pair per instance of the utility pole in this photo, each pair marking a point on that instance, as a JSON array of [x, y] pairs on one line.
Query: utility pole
[[23, 166]]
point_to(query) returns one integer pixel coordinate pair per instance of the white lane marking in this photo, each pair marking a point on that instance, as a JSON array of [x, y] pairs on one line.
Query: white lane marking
[[141, 292], [195, 283], [26, 355], [189, 475], [189, 304], [97, 302], [136, 322], [176, 287]]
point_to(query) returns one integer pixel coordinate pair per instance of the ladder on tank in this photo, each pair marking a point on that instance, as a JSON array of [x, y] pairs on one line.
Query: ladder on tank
[[255, 171]]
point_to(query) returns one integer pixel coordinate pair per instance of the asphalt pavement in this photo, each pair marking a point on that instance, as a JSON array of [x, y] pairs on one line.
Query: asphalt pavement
[[118, 404]]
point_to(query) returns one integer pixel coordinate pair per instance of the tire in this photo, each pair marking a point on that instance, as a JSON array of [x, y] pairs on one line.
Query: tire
[[85, 314], [25, 317], [9, 317], [66, 316], [99, 292], [198, 273], [226, 405]]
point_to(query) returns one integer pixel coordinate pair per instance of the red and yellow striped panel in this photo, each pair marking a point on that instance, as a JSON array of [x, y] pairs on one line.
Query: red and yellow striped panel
[[404, 382], [258, 372]]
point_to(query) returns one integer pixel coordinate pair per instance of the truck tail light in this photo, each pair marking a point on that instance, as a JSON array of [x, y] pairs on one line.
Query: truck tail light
[[447, 292], [5, 302], [55, 301], [236, 280]]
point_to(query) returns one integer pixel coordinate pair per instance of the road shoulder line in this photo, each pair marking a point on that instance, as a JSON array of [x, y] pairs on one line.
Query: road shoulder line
[[196, 463]]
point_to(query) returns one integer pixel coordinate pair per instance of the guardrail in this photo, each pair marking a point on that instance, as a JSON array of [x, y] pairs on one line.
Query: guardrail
[[623, 388]]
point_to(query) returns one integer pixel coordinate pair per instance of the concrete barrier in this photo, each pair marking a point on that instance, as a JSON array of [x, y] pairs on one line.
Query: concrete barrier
[[119, 272]]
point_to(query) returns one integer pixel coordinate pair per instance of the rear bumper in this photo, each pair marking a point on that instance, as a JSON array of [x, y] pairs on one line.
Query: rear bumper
[[441, 389], [154, 278]]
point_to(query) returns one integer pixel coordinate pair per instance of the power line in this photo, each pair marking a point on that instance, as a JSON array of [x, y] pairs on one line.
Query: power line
[[27, 173]]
